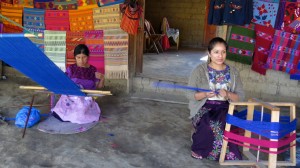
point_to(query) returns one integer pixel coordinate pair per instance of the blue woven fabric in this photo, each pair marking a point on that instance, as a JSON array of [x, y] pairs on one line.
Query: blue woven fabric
[[23, 55], [272, 130]]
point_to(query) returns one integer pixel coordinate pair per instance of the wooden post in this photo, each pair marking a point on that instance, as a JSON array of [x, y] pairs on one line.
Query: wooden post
[[28, 116]]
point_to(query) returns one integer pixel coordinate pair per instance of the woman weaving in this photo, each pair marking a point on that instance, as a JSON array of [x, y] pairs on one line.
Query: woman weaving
[[208, 109], [80, 109]]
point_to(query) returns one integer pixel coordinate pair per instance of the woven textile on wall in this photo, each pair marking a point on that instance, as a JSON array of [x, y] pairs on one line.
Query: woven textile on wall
[[291, 13], [34, 18], [38, 41], [24, 3], [82, 4], [36, 65], [72, 40], [241, 44], [265, 12], [131, 19], [285, 52], [116, 54], [14, 13], [109, 2], [81, 19], [95, 43], [43, 4], [65, 4], [108, 17], [55, 47], [57, 20], [296, 76], [264, 38]]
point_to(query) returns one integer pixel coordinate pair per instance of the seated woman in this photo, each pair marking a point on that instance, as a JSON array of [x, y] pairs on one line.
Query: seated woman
[[208, 109], [80, 109]]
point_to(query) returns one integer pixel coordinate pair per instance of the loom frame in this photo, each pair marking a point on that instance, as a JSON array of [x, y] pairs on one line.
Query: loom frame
[[275, 115]]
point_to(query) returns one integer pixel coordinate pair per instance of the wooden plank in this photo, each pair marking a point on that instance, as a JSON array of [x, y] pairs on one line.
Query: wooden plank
[[140, 41], [265, 104], [250, 111], [273, 157], [293, 144]]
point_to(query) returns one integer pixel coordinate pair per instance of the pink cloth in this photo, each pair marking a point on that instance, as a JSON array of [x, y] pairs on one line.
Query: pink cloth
[[77, 109]]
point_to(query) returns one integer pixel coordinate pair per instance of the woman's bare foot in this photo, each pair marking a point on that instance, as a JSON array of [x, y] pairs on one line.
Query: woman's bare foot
[[196, 156]]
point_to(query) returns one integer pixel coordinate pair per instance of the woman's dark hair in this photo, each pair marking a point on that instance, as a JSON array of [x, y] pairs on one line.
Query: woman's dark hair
[[81, 49], [214, 41]]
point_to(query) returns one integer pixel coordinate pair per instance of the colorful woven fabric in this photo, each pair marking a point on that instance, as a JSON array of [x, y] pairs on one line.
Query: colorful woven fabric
[[55, 47], [296, 76], [34, 18], [95, 43], [294, 27], [38, 41], [81, 19], [72, 40], [291, 13], [108, 17], [85, 3], [265, 12], [24, 3], [57, 20], [280, 15], [65, 4], [14, 13], [109, 2], [116, 54], [264, 38], [241, 44], [285, 52], [130, 19], [43, 4], [1, 27]]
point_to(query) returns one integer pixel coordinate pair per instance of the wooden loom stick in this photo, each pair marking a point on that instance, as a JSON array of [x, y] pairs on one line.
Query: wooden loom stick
[[83, 90], [3, 35], [28, 116]]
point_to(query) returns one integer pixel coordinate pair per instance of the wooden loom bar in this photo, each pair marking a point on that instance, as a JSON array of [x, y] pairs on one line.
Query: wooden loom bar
[[83, 90], [11, 35]]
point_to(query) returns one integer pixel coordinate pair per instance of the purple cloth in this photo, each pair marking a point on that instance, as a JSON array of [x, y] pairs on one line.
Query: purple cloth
[[209, 124], [84, 77]]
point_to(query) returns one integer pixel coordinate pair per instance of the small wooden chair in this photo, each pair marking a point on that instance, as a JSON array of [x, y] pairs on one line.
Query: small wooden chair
[[153, 38]]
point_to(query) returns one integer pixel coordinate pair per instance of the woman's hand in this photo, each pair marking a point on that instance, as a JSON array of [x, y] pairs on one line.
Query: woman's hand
[[202, 95], [223, 93], [99, 75]]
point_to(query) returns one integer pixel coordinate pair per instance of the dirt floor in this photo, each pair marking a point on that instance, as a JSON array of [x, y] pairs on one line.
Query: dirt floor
[[131, 133]]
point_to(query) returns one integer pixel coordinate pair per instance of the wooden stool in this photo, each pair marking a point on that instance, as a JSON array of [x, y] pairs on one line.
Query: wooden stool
[[275, 115]]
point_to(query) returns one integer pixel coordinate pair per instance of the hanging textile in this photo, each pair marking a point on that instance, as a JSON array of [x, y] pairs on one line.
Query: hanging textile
[[43, 4], [285, 52], [34, 18], [20, 53], [55, 47], [85, 4], [263, 41], [81, 19], [131, 18], [72, 40], [280, 15], [65, 4], [116, 54], [265, 12], [291, 13], [14, 13], [108, 17], [94, 41], [296, 76], [241, 44], [24, 3], [294, 27], [236, 12], [38, 41], [57, 20], [102, 3]]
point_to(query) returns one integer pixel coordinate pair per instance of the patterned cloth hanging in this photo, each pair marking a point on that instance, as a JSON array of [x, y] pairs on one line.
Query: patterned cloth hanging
[[291, 13], [264, 38], [14, 13], [38, 41], [285, 52], [108, 17], [95, 43], [296, 76], [34, 18], [109, 2], [265, 12], [65, 4], [72, 40], [131, 18], [241, 44], [55, 47], [24, 3], [43, 4], [81, 19], [116, 54], [85, 4], [57, 20]]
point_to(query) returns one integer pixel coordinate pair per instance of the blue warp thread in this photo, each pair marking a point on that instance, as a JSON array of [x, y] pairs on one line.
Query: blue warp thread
[[23, 55]]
